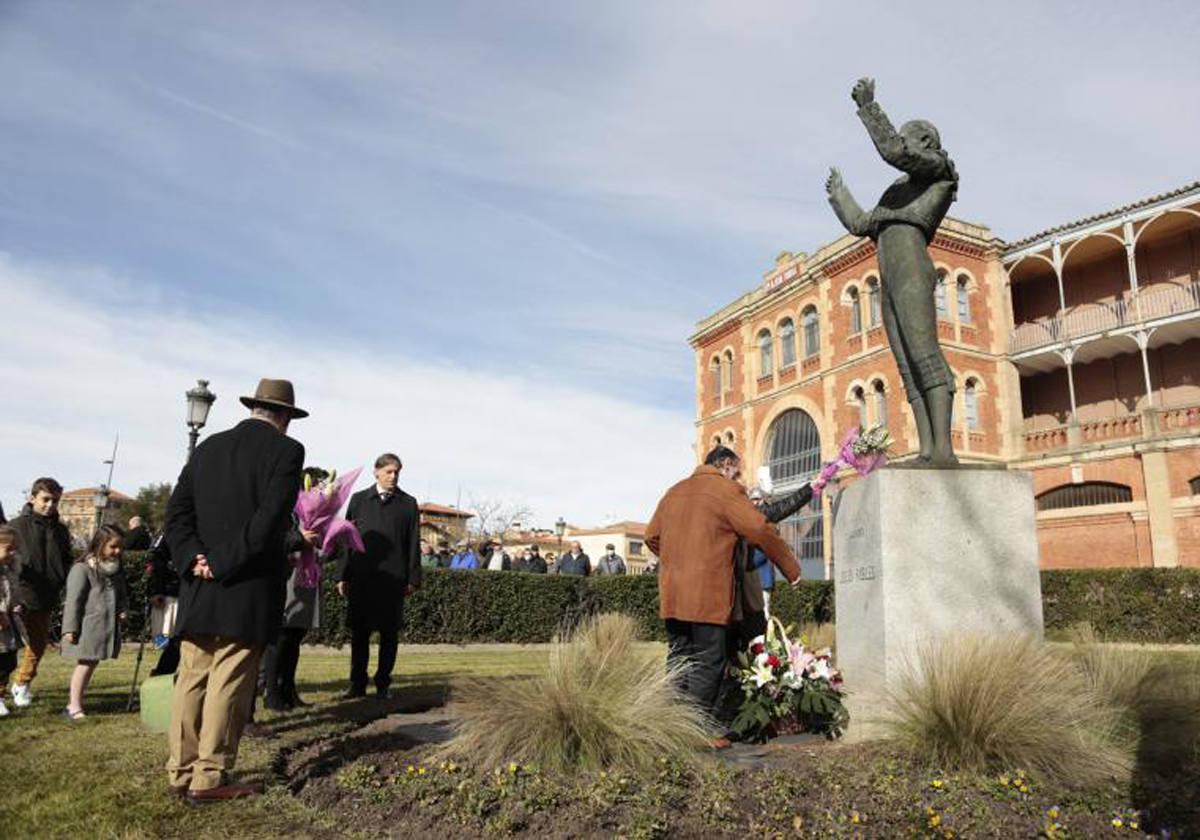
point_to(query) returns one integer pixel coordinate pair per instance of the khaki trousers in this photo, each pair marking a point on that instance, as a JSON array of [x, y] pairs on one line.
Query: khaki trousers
[[37, 628], [214, 688]]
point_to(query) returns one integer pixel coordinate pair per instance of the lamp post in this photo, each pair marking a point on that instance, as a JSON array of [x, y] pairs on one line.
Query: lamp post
[[100, 500], [560, 528], [199, 401]]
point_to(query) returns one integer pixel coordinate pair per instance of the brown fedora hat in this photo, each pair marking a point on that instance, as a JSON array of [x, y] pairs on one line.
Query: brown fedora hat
[[275, 393]]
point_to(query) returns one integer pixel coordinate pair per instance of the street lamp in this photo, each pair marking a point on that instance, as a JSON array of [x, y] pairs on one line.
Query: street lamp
[[100, 500], [560, 528], [199, 401]]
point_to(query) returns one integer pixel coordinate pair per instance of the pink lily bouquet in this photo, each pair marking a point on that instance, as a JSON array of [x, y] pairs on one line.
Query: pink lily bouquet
[[863, 450], [317, 510], [788, 688]]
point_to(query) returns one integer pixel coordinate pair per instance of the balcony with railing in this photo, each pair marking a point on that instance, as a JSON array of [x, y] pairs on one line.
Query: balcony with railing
[[1171, 420], [1149, 305]]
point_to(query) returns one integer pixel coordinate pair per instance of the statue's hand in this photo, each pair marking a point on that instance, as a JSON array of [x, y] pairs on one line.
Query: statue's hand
[[864, 92], [834, 182]]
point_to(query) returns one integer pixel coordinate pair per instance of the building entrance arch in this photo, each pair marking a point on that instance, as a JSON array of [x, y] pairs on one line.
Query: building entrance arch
[[793, 455]]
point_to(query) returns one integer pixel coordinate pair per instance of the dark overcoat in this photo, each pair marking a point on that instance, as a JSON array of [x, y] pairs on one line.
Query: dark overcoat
[[378, 576], [233, 503], [43, 559]]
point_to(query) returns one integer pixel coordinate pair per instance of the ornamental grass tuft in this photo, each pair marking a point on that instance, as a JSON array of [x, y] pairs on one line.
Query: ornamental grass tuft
[[974, 703], [602, 703]]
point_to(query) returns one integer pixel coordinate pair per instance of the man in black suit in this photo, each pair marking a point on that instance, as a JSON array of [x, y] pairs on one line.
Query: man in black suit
[[226, 524], [377, 580]]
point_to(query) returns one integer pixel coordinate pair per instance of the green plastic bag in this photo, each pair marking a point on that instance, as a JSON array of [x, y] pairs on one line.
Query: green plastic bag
[[156, 702]]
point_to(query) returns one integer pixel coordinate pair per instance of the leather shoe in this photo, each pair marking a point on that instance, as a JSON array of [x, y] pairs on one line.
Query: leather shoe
[[354, 694], [179, 792], [382, 692], [223, 793]]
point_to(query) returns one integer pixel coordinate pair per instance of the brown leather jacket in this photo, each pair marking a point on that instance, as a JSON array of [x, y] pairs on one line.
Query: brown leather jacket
[[693, 532]]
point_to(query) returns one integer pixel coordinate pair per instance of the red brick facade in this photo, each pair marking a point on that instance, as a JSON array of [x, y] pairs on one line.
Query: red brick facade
[[1080, 347]]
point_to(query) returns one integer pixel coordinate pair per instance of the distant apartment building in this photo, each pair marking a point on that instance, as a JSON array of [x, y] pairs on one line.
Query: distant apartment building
[[1076, 353]]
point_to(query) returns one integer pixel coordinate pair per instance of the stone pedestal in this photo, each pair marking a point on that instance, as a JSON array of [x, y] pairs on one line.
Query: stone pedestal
[[922, 554]]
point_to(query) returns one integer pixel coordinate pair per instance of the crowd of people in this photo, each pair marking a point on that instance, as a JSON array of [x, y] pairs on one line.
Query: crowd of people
[[494, 556]]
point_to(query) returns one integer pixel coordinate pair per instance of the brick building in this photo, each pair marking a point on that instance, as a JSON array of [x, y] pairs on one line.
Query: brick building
[[1076, 353], [443, 524], [77, 510]]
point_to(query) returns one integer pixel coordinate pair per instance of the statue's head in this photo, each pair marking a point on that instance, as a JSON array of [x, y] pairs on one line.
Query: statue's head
[[922, 134]]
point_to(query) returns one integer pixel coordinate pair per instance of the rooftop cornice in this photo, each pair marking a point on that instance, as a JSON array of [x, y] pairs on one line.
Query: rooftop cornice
[[794, 271], [1145, 205]]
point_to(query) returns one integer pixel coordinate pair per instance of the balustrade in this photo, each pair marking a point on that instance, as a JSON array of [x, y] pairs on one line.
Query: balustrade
[[1150, 303]]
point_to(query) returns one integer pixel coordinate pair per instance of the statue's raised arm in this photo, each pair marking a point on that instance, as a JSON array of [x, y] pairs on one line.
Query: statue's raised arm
[[908, 150], [902, 224]]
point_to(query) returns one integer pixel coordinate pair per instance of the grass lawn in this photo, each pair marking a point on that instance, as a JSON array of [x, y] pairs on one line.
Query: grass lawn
[[105, 777]]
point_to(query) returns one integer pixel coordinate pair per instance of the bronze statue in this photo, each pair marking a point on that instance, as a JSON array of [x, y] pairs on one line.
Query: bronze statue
[[903, 224]]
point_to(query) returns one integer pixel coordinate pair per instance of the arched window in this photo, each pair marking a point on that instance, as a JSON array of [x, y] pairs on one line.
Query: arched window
[[812, 332], [766, 363], [880, 395], [728, 371], [793, 454], [1087, 494], [855, 311], [873, 302], [730, 439], [971, 403], [964, 299], [939, 295], [717, 381], [859, 398], [787, 343]]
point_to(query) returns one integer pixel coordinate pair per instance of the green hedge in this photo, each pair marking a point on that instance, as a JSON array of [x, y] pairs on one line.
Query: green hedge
[[1131, 605], [1135, 605], [480, 606]]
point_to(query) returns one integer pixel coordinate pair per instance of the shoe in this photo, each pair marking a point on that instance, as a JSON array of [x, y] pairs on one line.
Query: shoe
[[721, 743], [179, 792], [76, 715], [3, 709], [275, 703], [21, 695], [382, 692], [296, 701], [354, 694], [258, 730], [223, 793]]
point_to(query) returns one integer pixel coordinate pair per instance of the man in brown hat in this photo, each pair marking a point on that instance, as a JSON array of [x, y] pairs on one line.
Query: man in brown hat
[[226, 523]]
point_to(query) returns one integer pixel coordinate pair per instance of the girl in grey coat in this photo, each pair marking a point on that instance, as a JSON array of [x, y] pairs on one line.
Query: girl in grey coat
[[93, 612]]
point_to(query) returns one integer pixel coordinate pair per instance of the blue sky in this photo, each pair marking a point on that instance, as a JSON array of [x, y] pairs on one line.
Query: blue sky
[[499, 221]]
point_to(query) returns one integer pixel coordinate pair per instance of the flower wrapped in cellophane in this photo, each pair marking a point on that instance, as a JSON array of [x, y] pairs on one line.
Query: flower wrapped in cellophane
[[317, 510], [788, 688], [863, 450]]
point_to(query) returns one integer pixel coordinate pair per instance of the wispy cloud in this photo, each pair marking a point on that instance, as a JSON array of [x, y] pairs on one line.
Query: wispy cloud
[[558, 448]]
